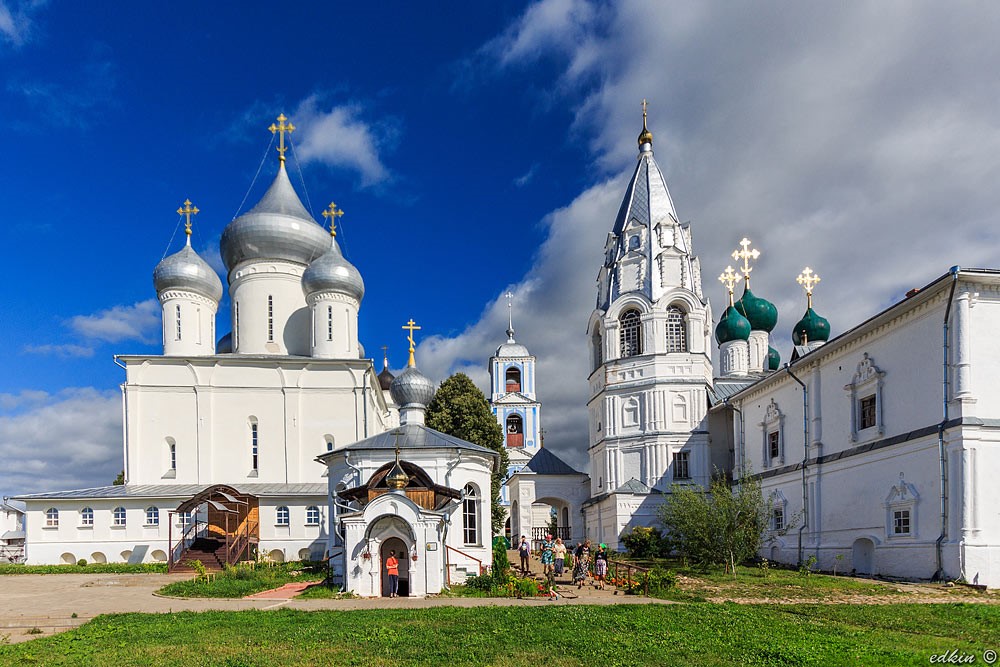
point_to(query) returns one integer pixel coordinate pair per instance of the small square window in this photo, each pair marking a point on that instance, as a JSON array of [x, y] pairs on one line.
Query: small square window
[[901, 522], [682, 465], [866, 408]]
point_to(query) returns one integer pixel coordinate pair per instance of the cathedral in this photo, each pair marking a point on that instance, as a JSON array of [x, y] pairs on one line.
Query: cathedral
[[280, 441]]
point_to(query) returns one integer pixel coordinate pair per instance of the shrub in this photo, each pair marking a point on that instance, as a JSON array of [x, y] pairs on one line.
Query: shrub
[[644, 542], [82, 562], [501, 563], [199, 568], [484, 582]]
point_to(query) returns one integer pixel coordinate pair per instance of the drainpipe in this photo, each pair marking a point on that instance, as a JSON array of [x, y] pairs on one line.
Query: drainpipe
[[805, 455], [741, 445], [447, 521], [942, 454]]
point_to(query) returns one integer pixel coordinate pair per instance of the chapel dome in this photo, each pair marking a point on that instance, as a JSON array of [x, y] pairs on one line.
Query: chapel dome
[[761, 312], [732, 326], [412, 387], [512, 350], [773, 359], [812, 327], [332, 273], [279, 227], [385, 379], [188, 272]]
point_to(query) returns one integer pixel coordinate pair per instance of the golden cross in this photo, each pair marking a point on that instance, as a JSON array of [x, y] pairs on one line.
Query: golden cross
[[332, 213], [808, 280], [411, 326], [187, 211], [746, 254], [281, 128], [729, 278], [385, 356]]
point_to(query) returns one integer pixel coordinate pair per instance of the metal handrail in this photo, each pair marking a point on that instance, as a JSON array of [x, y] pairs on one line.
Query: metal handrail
[[469, 556]]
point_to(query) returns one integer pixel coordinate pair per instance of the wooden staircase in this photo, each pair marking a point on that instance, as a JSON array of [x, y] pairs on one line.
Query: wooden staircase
[[210, 551]]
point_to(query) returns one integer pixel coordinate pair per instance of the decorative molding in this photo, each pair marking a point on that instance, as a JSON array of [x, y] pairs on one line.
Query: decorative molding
[[902, 497], [774, 422], [867, 381]]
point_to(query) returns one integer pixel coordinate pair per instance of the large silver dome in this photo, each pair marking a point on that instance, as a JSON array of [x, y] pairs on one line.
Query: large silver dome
[[186, 271], [332, 273], [278, 227], [412, 387]]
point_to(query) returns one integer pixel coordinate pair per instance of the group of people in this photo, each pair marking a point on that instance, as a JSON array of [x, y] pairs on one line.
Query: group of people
[[553, 557]]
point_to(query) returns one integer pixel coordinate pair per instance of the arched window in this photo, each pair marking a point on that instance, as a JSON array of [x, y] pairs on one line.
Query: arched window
[[171, 454], [329, 442], [676, 333], [470, 516], [631, 333], [254, 442], [119, 516], [282, 514], [270, 319], [513, 378], [595, 341], [153, 516], [312, 516], [515, 431], [87, 516], [52, 518]]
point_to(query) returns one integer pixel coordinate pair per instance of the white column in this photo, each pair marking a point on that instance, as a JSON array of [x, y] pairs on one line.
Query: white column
[[961, 357]]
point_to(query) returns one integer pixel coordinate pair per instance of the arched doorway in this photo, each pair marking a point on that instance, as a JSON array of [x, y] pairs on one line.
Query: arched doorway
[[397, 546], [863, 556]]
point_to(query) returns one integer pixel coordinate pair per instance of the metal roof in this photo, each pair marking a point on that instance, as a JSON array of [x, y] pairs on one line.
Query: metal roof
[[412, 436], [178, 491], [633, 486], [546, 463], [724, 388]]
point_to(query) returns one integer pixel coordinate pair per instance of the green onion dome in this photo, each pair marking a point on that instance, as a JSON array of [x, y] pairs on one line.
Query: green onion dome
[[812, 326], [732, 326], [761, 312], [773, 359]]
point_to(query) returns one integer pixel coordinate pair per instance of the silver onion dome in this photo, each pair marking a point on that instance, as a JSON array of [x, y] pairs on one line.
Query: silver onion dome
[[412, 387], [332, 273], [186, 271], [278, 227], [512, 350]]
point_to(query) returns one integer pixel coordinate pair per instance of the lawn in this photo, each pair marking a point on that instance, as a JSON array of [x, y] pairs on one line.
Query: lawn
[[242, 580], [681, 634], [92, 568]]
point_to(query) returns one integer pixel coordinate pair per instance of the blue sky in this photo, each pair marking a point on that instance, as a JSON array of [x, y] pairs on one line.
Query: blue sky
[[475, 147]]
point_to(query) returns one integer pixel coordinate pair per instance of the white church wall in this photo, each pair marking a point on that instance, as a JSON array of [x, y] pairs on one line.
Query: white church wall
[[977, 315], [262, 286]]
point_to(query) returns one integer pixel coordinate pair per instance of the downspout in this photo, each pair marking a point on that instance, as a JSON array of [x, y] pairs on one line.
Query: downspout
[[447, 521], [741, 445], [942, 454], [805, 455]]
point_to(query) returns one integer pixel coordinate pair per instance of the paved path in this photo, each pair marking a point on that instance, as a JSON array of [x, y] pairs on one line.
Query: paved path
[[49, 602]]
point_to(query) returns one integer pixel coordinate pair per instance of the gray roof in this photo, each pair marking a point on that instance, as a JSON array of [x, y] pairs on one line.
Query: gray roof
[[278, 227], [179, 491], [544, 462], [633, 486], [512, 349], [13, 506], [187, 271], [410, 437], [724, 388], [13, 535], [332, 273]]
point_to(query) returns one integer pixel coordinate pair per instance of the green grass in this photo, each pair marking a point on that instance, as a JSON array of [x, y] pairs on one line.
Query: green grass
[[241, 580], [93, 568], [705, 634]]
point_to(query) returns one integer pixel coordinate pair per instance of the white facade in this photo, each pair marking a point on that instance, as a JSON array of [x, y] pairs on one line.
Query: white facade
[[890, 461]]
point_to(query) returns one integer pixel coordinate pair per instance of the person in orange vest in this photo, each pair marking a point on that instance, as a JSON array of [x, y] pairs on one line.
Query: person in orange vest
[[392, 569]]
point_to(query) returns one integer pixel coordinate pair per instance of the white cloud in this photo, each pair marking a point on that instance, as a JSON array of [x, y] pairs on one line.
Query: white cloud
[[140, 321], [830, 135], [527, 176], [340, 138], [69, 440], [63, 351], [16, 21]]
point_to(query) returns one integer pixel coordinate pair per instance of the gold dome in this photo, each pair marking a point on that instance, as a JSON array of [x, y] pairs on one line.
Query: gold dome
[[645, 137], [397, 477]]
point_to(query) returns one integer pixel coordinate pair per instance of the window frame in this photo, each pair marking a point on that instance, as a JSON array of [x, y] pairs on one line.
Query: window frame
[[773, 429], [681, 466], [868, 381], [154, 512], [52, 517], [313, 516], [675, 327], [470, 515], [282, 516], [119, 517], [630, 333], [87, 517]]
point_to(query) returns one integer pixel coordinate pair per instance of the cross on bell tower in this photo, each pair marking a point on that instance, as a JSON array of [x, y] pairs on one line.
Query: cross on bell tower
[[280, 130], [746, 253], [808, 280], [332, 213], [187, 211], [411, 327]]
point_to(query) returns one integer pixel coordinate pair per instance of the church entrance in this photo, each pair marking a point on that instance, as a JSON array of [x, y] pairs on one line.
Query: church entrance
[[863, 556], [396, 545]]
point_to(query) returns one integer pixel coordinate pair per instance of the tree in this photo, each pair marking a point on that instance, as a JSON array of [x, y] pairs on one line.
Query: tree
[[460, 409], [722, 526], [120, 479]]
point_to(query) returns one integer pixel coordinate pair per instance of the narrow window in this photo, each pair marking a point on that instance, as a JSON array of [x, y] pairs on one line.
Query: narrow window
[[682, 465], [178, 322], [312, 516], [52, 518], [184, 519], [283, 519], [173, 456], [515, 431], [778, 518], [198, 323], [236, 327], [513, 379], [595, 342], [631, 334], [901, 522], [773, 444], [329, 322], [270, 319], [119, 516], [469, 516], [676, 334], [253, 445], [867, 410], [87, 516], [152, 516]]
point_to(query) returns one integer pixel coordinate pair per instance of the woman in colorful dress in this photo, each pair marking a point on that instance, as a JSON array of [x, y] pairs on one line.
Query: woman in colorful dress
[[581, 563], [548, 556], [600, 565], [559, 554]]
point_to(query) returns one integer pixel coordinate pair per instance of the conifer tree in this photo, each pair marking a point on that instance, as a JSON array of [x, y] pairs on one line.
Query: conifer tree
[[460, 409]]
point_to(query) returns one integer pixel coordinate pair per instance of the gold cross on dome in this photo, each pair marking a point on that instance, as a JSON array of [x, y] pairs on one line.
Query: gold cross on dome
[[281, 128], [729, 278], [187, 211], [385, 356], [808, 280], [332, 213], [746, 254], [411, 326]]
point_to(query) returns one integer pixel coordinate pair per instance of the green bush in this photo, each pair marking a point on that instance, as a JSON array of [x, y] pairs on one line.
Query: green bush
[[82, 562], [645, 542], [501, 563], [91, 568]]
